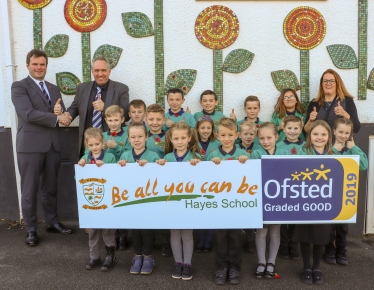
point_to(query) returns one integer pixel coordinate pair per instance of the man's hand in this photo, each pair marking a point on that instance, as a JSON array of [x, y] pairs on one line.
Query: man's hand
[[99, 104], [57, 109], [64, 120]]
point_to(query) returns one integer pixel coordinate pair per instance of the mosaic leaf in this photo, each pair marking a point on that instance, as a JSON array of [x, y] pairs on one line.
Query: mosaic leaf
[[182, 79], [343, 56], [370, 84], [137, 24], [110, 52], [284, 79], [57, 45], [67, 82], [238, 61]]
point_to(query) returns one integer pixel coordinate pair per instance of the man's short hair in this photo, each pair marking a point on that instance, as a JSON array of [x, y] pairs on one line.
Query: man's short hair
[[102, 58], [36, 53]]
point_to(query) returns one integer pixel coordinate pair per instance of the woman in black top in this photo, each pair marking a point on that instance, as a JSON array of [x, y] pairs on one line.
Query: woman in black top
[[333, 101]]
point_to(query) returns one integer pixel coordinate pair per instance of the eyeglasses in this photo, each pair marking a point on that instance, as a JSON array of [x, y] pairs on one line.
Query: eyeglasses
[[325, 82], [289, 98]]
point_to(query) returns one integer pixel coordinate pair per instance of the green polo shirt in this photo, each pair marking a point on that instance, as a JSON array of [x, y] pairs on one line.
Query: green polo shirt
[[256, 154], [277, 120], [355, 150], [212, 146], [104, 156], [232, 155], [216, 116], [148, 155], [181, 116], [156, 143], [291, 147], [170, 157]]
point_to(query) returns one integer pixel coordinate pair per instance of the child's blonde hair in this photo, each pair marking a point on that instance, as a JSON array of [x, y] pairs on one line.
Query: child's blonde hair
[[201, 120], [113, 110], [228, 123], [155, 108], [308, 146], [137, 125], [251, 125], [267, 125], [344, 121], [93, 133], [293, 118], [192, 145]]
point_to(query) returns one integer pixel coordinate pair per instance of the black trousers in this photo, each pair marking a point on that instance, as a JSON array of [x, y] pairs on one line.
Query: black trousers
[[228, 249], [142, 242], [35, 169], [338, 235], [286, 243]]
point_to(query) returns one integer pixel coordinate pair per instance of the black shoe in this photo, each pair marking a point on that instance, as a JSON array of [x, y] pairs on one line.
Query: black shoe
[[342, 259], [166, 249], [269, 274], [109, 259], [32, 239], [307, 277], [58, 228], [122, 243], [294, 255], [199, 247], [187, 272], [330, 258], [207, 247], [177, 271], [317, 277], [260, 274], [283, 253], [221, 277], [234, 277], [92, 264]]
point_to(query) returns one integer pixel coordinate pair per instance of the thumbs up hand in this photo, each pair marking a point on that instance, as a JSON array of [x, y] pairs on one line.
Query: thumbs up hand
[[188, 110], [99, 104], [339, 111], [57, 109], [232, 115], [169, 122], [313, 114]]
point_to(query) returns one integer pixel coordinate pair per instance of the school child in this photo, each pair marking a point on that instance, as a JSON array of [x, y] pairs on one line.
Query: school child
[[318, 142], [94, 141], [206, 136], [267, 135], [209, 101], [181, 145], [247, 135], [344, 145], [156, 136], [288, 104], [142, 240], [137, 111], [292, 143], [228, 250], [175, 99]]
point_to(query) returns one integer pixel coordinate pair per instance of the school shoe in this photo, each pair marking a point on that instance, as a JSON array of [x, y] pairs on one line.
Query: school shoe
[[269, 274], [92, 264], [260, 274], [58, 228], [137, 263], [317, 277], [330, 258], [32, 239], [187, 272], [283, 253], [234, 277], [147, 266], [199, 247], [342, 259], [307, 277], [207, 247], [178, 270], [221, 277], [109, 259], [294, 255]]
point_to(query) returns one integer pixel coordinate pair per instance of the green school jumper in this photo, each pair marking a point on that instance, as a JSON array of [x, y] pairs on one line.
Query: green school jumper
[[148, 155], [121, 139], [249, 149], [216, 116], [156, 143], [212, 146], [104, 156], [180, 116], [291, 147], [170, 157], [277, 120], [232, 155], [257, 123], [355, 150], [256, 154]]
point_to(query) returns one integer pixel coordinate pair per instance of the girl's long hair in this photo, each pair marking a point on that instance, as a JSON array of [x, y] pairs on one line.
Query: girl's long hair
[[308, 146], [201, 120], [280, 109], [193, 146]]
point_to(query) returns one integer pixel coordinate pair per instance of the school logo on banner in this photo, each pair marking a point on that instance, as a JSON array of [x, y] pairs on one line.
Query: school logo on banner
[[93, 191], [309, 189]]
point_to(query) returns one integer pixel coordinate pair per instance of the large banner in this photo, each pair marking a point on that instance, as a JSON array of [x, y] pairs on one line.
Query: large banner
[[274, 190], [173, 196]]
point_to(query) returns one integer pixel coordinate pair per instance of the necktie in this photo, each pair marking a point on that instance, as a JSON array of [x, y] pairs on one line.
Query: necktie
[[96, 117], [45, 93]]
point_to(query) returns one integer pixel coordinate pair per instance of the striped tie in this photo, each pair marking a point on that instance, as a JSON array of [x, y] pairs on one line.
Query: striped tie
[[96, 117], [45, 93]]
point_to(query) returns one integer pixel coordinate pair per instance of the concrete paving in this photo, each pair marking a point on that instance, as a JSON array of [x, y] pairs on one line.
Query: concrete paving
[[58, 263]]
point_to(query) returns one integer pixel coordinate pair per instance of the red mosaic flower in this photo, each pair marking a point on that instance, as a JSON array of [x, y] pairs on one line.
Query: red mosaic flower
[[85, 15], [114, 134], [293, 151], [217, 27], [304, 28], [34, 4], [157, 139]]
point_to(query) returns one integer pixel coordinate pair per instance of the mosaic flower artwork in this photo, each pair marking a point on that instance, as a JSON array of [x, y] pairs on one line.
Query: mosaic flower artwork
[[34, 4]]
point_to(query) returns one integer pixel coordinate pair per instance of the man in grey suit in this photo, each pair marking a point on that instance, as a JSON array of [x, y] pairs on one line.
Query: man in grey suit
[[92, 98], [38, 145]]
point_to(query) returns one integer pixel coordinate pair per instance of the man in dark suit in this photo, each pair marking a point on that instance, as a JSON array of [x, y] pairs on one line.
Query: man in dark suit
[[38, 145], [92, 98]]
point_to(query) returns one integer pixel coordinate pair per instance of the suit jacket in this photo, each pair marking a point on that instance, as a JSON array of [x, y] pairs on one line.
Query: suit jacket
[[117, 94], [37, 124]]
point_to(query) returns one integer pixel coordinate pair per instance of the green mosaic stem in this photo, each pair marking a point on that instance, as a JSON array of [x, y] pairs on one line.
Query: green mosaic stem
[[86, 56], [218, 77], [304, 77], [38, 42], [159, 51], [362, 48]]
